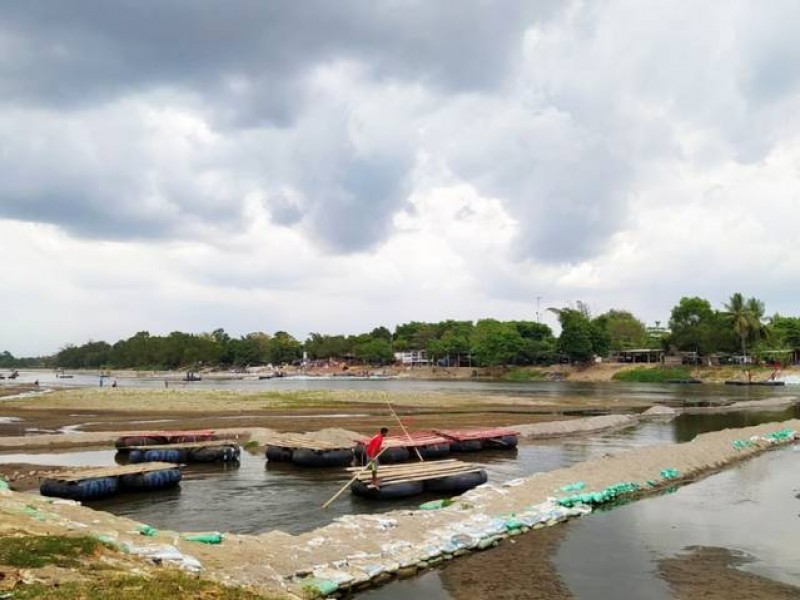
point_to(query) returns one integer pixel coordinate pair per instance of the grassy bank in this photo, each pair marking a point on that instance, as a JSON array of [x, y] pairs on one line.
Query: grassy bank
[[653, 375], [86, 569]]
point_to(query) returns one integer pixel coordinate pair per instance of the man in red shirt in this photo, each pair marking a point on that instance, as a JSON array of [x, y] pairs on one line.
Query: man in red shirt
[[374, 447]]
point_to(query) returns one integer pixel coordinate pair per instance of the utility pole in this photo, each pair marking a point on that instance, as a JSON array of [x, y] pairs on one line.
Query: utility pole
[[538, 301]]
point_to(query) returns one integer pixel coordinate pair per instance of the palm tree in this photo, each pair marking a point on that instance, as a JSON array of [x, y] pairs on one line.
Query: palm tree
[[756, 309], [741, 318]]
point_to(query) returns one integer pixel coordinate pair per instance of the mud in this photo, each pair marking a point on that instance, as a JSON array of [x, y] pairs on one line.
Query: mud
[[711, 573]]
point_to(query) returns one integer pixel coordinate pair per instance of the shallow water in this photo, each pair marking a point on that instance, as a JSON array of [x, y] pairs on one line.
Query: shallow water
[[662, 393], [256, 497], [752, 508]]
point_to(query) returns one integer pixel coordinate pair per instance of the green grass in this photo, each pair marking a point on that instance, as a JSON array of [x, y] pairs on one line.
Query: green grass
[[164, 585], [35, 551], [525, 375], [652, 374]]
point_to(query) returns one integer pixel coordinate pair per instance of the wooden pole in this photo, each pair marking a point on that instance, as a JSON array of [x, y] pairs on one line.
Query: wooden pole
[[408, 435], [349, 483]]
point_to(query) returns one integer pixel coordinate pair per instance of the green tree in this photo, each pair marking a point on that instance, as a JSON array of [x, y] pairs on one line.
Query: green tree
[[495, 343], [577, 334], [693, 323], [746, 319], [374, 350], [283, 348], [623, 330]]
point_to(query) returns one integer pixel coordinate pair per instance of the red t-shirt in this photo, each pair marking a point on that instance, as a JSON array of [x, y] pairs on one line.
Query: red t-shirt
[[374, 446]]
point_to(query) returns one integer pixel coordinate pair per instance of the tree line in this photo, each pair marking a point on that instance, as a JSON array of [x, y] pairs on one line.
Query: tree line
[[738, 327]]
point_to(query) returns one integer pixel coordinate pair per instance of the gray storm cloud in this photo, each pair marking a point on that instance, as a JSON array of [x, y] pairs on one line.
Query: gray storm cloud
[[557, 129]]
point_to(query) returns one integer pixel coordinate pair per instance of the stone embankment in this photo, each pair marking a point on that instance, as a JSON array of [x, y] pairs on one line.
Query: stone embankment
[[357, 551]]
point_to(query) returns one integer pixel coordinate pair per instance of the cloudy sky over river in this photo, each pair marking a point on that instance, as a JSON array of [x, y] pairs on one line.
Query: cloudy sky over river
[[333, 166]]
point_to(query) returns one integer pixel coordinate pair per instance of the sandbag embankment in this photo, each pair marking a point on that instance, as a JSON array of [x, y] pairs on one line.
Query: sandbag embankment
[[362, 548]]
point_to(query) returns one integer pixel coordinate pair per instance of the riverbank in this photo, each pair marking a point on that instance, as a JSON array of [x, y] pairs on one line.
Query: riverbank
[[592, 373], [362, 550]]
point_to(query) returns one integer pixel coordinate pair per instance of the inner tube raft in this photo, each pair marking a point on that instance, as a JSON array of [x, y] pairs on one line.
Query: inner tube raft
[[388, 491], [466, 445], [171, 455], [508, 441], [85, 489], [279, 454], [153, 480], [392, 454], [434, 450], [456, 484], [305, 457], [223, 453]]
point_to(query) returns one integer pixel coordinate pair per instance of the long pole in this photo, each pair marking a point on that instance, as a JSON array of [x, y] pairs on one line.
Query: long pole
[[349, 483], [408, 435]]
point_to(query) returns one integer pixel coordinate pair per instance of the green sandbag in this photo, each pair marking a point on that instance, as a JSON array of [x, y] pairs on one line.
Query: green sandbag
[[205, 538]]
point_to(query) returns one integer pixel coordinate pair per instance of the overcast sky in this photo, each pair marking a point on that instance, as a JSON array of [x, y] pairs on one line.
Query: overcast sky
[[333, 166]]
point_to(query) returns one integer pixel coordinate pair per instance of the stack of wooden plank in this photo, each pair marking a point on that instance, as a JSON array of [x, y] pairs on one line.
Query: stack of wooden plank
[[421, 471], [293, 440]]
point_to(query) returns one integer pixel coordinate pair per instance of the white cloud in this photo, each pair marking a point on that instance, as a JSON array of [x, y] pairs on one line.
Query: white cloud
[[618, 153]]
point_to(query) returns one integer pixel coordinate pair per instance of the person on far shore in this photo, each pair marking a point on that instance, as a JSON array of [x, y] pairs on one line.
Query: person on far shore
[[373, 451]]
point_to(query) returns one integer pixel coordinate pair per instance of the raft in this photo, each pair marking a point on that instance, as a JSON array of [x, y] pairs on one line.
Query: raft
[[307, 457], [93, 484], [388, 491], [192, 452], [472, 440], [306, 451], [156, 438], [400, 481], [400, 448], [278, 453]]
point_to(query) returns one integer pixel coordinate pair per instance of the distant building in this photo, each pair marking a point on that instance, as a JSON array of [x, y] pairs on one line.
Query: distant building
[[412, 358]]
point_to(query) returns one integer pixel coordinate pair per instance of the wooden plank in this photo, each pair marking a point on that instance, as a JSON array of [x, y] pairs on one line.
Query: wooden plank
[[297, 441], [387, 482], [112, 471], [184, 446], [414, 466]]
